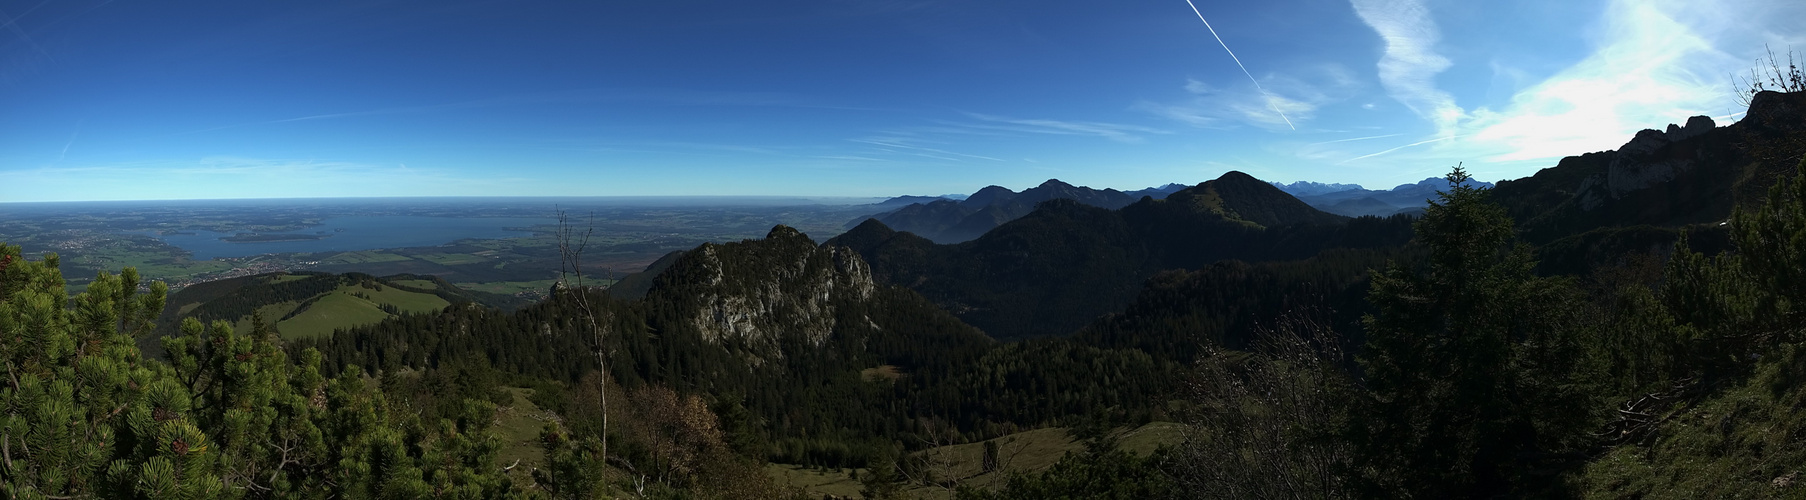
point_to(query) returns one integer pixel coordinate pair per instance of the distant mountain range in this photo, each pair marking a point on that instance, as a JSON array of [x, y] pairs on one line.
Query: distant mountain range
[[1078, 254], [1353, 201], [1308, 188], [1066, 263], [946, 219]]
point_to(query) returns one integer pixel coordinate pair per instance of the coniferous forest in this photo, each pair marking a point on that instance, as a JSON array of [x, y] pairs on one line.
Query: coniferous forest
[[1551, 337]]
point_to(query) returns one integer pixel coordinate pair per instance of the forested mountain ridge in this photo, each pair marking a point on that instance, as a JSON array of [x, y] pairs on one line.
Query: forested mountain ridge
[[1241, 197], [830, 367], [1065, 264], [636, 285], [954, 221]]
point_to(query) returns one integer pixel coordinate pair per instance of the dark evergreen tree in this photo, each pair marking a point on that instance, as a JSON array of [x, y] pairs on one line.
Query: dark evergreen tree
[[1472, 364]]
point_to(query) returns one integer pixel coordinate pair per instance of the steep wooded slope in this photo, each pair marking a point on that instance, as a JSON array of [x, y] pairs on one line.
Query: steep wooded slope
[[1065, 264]]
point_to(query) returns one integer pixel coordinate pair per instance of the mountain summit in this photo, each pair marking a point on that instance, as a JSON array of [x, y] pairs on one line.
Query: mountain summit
[[954, 221], [1066, 263], [1241, 197]]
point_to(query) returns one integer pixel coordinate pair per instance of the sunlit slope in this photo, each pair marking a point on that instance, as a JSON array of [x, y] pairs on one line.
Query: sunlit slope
[[350, 306], [312, 305], [954, 466]]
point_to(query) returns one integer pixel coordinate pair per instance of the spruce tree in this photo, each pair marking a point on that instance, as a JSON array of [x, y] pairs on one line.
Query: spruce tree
[[1471, 364]]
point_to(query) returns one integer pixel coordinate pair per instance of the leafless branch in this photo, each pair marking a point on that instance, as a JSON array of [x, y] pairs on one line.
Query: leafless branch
[[571, 245], [1770, 75], [1261, 426]]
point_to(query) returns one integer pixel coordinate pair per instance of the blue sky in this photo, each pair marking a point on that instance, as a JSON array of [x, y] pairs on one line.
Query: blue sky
[[103, 100]]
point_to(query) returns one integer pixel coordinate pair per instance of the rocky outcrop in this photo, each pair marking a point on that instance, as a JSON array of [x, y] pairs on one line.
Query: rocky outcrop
[[757, 296], [1776, 112], [1691, 174], [1649, 159]]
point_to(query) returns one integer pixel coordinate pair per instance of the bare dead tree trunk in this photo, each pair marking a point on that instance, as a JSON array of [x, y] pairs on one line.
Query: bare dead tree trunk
[[571, 245], [934, 466]]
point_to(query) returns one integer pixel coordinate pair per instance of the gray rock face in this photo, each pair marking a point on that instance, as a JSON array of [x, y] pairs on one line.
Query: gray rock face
[[1649, 140], [755, 295], [1776, 111], [1643, 162]]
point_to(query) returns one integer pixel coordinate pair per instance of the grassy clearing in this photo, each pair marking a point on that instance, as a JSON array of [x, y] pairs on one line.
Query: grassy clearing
[[1145, 439], [451, 259], [1022, 452], [817, 482], [363, 257], [518, 426], [335, 310], [1027, 451], [402, 299], [352, 306], [884, 372], [511, 287], [346, 307], [270, 313], [421, 284]]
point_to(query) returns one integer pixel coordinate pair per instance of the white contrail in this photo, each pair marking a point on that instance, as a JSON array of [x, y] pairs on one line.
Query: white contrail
[[65, 154], [1238, 63], [1418, 143], [12, 24], [1354, 139]]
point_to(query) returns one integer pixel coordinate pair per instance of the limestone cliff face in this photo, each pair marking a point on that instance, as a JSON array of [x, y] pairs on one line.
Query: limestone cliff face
[[757, 296], [1687, 174], [1651, 158]]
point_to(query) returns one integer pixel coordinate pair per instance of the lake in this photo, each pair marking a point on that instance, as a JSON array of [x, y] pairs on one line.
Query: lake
[[344, 234]]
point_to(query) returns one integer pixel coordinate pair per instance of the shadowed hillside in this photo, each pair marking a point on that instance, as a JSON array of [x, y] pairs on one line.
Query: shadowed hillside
[[1065, 264], [954, 221]]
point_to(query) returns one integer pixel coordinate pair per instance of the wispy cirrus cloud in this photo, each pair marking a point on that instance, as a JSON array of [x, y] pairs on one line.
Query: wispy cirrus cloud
[[912, 146], [1649, 63], [1211, 107], [1657, 62], [1112, 131], [1297, 97], [978, 135], [1409, 67]]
